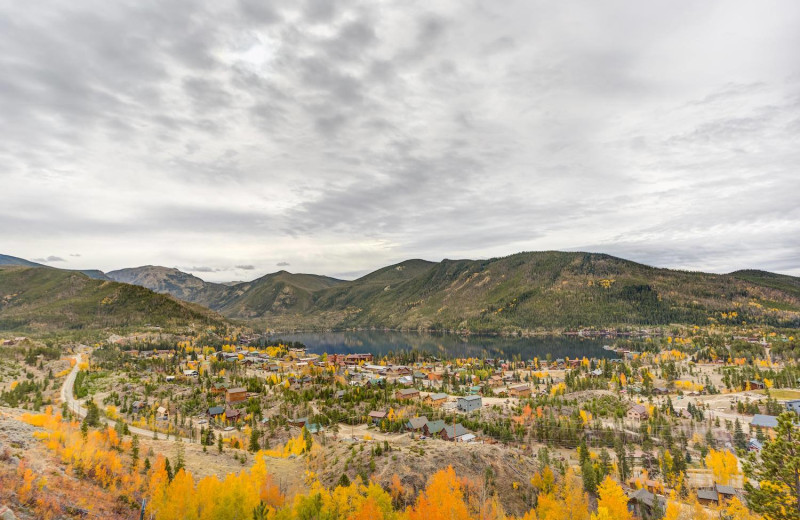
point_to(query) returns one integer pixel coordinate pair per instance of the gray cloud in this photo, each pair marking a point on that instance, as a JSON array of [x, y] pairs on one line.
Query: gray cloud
[[246, 267], [351, 134], [282, 264], [201, 269], [51, 258]]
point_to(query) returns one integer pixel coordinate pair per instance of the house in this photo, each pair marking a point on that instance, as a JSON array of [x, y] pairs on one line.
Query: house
[[235, 395], [232, 415], [754, 445], [299, 422], [637, 412], [137, 406], [405, 380], [643, 503], [708, 497], [453, 432], [406, 393], [475, 389], [416, 423], [315, 428], [376, 417], [162, 413], [218, 388], [495, 381], [340, 394], [793, 405], [519, 391], [435, 399], [753, 385], [216, 411], [190, 373], [768, 422], [725, 493], [432, 428], [469, 437], [660, 390], [469, 403], [378, 381]]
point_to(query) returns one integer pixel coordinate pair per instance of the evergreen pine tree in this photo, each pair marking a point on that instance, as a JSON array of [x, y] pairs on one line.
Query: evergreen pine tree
[[777, 496], [739, 438]]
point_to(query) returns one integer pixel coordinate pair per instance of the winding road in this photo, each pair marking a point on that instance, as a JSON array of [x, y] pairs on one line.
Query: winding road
[[68, 396]]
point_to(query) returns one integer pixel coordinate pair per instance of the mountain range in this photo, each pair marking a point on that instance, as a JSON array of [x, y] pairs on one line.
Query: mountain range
[[525, 291]]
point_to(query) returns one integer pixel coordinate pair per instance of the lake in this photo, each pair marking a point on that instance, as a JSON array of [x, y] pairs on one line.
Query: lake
[[380, 343]]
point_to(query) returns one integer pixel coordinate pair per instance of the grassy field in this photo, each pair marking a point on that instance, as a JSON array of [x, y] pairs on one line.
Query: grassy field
[[781, 393]]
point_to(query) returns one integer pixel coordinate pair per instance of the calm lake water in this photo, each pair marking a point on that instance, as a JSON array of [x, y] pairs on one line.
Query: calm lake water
[[380, 343]]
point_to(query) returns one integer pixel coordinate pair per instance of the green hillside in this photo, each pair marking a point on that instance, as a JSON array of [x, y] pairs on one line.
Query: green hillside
[[277, 293], [553, 290], [40, 298]]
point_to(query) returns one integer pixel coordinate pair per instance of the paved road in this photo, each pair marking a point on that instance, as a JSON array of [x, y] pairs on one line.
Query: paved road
[[68, 397]]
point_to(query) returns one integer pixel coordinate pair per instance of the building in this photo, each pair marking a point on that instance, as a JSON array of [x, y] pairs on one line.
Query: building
[[768, 422], [298, 422], [216, 411], [416, 423], [235, 395], [793, 405], [453, 432], [406, 393], [637, 412], [435, 399], [162, 414], [643, 503], [708, 497], [376, 416], [432, 428], [519, 391], [190, 373], [232, 415], [469, 403], [753, 385]]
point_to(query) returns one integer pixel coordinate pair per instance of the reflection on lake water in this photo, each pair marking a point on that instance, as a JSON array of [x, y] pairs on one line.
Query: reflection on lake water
[[380, 343]]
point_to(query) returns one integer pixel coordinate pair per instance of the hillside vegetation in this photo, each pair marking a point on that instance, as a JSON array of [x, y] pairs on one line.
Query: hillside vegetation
[[40, 298], [526, 291]]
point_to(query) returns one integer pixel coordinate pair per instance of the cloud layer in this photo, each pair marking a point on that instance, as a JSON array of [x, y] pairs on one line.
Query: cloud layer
[[340, 136]]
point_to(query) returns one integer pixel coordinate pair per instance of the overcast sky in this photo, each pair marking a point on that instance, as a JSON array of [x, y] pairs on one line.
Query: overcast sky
[[232, 139]]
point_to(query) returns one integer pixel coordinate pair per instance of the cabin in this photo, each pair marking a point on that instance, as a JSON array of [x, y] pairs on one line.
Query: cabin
[[406, 393], [432, 428], [162, 414], [232, 415], [190, 373], [416, 424], [377, 416], [215, 412], [298, 422], [435, 399], [708, 497], [637, 412], [753, 385], [642, 503], [766, 422], [519, 391], [218, 388], [469, 403], [453, 432], [235, 395]]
